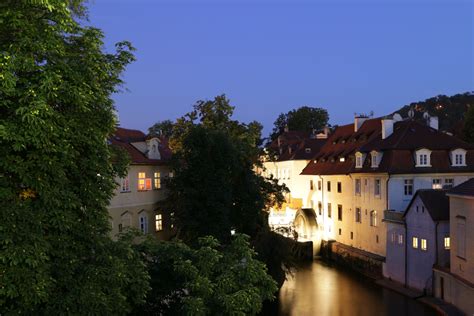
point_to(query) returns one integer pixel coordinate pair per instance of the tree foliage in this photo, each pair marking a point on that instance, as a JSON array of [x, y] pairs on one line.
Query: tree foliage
[[210, 279], [304, 118], [162, 128], [468, 130], [56, 176]]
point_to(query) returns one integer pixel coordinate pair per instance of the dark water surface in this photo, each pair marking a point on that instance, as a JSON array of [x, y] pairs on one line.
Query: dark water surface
[[321, 289]]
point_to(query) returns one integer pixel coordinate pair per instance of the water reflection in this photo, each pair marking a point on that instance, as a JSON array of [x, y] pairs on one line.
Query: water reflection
[[321, 289]]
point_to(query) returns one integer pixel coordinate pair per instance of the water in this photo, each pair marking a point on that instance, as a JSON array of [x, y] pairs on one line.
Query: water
[[321, 289]]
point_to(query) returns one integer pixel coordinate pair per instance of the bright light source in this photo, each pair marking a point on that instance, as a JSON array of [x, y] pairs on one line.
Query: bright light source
[[232, 232]]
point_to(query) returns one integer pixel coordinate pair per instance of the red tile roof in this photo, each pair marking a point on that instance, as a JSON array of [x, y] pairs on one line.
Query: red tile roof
[[398, 150], [125, 137]]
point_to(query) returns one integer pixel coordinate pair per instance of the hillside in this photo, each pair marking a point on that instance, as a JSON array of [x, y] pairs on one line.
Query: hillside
[[449, 109]]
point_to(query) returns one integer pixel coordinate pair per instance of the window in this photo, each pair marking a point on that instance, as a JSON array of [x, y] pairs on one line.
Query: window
[[461, 237], [311, 187], [393, 237], [447, 243], [171, 174], [125, 220], [424, 245], [423, 158], [377, 187], [400, 239], [358, 215], [415, 242], [377, 238], [340, 231], [120, 228], [143, 223], [320, 208], [448, 183], [339, 187], [329, 186], [124, 185], [329, 210], [408, 189], [339, 212], [144, 183], [359, 160], [373, 218], [357, 186], [437, 184], [352, 235], [458, 157], [374, 158], [319, 185], [157, 180], [158, 222]]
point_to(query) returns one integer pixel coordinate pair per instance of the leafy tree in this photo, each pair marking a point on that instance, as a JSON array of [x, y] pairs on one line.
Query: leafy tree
[[56, 176], [210, 279], [304, 118], [164, 128], [468, 130]]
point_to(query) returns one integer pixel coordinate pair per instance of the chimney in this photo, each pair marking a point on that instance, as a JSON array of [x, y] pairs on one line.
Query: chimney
[[358, 120], [433, 122], [324, 134], [387, 128]]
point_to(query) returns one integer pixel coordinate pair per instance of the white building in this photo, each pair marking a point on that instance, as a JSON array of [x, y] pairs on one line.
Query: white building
[[137, 197], [376, 165]]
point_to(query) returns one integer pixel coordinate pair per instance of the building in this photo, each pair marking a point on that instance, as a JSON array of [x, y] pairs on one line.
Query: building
[[456, 284], [425, 227], [138, 195], [375, 165], [294, 150]]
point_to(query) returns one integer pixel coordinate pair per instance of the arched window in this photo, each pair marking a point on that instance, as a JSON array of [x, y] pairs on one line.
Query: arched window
[[125, 220], [143, 222]]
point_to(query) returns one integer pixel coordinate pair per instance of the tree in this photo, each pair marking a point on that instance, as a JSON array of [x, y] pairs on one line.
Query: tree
[[468, 130], [304, 118], [210, 279], [162, 128], [56, 176]]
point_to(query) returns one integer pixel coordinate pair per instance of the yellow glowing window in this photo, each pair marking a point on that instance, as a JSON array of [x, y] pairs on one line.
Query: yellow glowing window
[[447, 243], [158, 222], [143, 182], [424, 245], [157, 180], [415, 242]]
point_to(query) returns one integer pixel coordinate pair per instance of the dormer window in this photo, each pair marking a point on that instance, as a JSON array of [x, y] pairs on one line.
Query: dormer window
[[375, 160], [359, 160], [423, 158], [458, 157]]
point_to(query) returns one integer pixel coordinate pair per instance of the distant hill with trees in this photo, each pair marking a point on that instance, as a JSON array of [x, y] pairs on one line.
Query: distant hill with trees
[[450, 110]]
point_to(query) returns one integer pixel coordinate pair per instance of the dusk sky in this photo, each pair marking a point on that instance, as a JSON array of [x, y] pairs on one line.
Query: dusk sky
[[272, 56]]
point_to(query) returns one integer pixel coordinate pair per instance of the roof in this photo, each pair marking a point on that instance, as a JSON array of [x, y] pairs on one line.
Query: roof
[[436, 203], [465, 188], [397, 151], [124, 138]]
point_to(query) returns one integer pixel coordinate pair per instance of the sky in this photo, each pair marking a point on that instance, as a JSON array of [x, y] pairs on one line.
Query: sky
[[271, 56]]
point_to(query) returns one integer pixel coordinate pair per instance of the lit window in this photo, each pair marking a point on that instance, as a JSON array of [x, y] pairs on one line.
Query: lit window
[[158, 222], [373, 218], [415, 242], [424, 245], [357, 186], [400, 239], [447, 243], [125, 185], [143, 223], [408, 189], [377, 187], [358, 215], [157, 180], [144, 183], [437, 184]]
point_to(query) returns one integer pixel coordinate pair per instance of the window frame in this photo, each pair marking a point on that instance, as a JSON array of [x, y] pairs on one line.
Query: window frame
[[158, 222], [125, 184], [157, 185], [408, 187], [144, 183], [415, 243]]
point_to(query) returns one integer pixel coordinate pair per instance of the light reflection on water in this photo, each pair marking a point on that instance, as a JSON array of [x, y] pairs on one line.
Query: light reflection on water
[[321, 289]]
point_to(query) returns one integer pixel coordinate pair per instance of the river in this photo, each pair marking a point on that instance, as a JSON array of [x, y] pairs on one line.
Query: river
[[321, 289]]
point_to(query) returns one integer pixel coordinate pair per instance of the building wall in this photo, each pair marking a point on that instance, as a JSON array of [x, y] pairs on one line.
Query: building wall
[[462, 207], [125, 208], [399, 201], [394, 268], [454, 291]]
